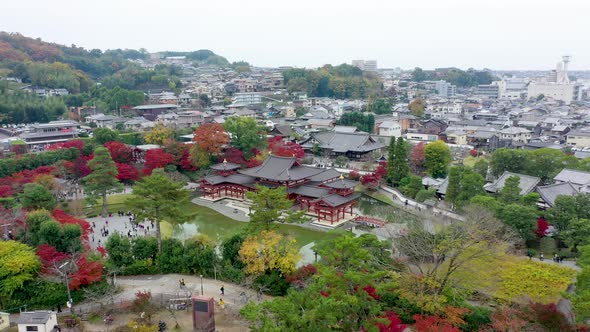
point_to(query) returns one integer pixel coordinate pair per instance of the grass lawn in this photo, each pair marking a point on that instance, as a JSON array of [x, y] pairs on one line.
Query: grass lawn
[[470, 161], [516, 279], [213, 224]]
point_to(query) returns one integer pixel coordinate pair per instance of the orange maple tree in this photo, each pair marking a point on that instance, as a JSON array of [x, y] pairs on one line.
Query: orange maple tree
[[211, 137]]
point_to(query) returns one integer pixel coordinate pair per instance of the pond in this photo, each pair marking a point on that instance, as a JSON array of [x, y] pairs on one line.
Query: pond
[[370, 206], [219, 227]]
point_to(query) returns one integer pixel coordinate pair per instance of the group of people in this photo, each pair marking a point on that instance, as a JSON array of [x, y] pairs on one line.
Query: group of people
[[556, 258]]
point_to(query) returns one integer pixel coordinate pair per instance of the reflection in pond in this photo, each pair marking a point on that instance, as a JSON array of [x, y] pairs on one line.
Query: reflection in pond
[[219, 227], [370, 206]]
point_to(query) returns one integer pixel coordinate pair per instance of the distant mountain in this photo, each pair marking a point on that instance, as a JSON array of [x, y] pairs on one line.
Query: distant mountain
[[75, 68]]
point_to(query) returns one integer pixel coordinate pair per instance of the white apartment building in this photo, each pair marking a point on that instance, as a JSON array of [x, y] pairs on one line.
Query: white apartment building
[[247, 98], [390, 129]]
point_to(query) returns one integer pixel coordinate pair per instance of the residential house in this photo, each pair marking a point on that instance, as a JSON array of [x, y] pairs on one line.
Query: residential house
[[578, 138], [433, 127], [456, 136], [527, 183], [4, 320], [139, 124], [188, 119], [152, 111], [38, 321], [515, 134], [390, 129]]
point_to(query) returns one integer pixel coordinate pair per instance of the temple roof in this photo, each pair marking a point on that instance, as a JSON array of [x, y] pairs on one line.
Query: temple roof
[[277, 168], [327, 174], [549, 193], [337, 200], [225, 166], [344, 142], [310, 191], [341, 184], [234, 178]]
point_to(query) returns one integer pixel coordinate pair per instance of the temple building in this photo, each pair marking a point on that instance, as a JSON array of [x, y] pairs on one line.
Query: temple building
[[321, 192]]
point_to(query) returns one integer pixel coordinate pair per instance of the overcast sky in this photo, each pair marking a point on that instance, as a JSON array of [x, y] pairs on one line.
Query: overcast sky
[[497, 34]]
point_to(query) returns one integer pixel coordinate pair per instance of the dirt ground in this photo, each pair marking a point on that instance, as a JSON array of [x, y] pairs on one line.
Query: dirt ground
[[226, 320]]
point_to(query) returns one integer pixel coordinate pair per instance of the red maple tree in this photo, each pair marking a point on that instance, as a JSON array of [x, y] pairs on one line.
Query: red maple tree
[[86, 273], [417, 157], [120, 152], [156, 158], [127, 173], [64, 218], [6, 190], [426, 323], [50, 257], [211, 137], [542, 227], [285, 149], [78, 144]]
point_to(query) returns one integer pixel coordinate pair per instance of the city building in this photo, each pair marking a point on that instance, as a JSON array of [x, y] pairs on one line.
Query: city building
[[52, 132], [366, 65], [445, 89], [321, 192], [487, 90], [556, 85]]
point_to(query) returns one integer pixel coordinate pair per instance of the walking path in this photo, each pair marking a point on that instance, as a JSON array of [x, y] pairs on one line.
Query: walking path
[[116, 224]]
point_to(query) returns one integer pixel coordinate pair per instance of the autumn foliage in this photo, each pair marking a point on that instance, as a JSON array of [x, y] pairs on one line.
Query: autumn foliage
[[86, 273], [542, 227], [127, 173], [64, 218], [157, 158], [78, 144], [120, 152], [211, 137], [285, 149]]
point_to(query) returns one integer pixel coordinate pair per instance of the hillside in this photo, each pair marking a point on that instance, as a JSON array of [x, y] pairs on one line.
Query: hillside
[[52, 65]]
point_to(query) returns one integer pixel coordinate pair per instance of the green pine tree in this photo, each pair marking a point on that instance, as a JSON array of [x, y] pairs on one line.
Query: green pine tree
[[103, 179]]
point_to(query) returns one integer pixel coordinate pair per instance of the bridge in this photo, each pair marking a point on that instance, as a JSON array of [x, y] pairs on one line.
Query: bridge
[[370, 221]]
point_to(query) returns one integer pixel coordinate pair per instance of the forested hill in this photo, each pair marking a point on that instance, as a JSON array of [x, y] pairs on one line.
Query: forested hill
[[52, 65]]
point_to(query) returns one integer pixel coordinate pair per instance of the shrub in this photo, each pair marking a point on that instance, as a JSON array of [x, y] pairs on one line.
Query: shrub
[[272, 283], [425, 194], [547, 246], [140, 267]]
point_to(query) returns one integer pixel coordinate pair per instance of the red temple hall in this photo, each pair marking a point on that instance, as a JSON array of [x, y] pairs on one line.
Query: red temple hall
[[323, 193]]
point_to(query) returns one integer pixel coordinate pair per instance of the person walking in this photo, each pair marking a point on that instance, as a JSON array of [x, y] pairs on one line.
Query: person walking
[[222, 289], [541, 257]]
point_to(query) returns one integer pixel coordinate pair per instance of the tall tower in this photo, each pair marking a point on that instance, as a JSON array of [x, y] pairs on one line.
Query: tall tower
[[562, 76]]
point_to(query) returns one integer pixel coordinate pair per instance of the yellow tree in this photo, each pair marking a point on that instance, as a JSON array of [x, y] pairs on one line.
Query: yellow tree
[[158, 135], [269, 250]]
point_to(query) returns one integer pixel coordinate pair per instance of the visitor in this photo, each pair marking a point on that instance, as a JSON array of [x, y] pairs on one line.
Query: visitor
[[222, 289], [541, 257], [221, 303]]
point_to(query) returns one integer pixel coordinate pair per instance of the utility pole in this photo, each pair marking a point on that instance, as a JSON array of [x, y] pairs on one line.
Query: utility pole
[[70, 303]]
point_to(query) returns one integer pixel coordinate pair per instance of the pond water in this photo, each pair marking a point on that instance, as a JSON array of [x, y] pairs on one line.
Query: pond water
[[219, 227], [370, 206]]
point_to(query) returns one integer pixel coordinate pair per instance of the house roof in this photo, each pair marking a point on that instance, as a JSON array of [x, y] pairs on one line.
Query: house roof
[[34, 317], [283, 130], [344, 142], [514, 131], [155, 107], [527, 183], [549, 193], [326, 175], [573, 176], [345, 129]]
